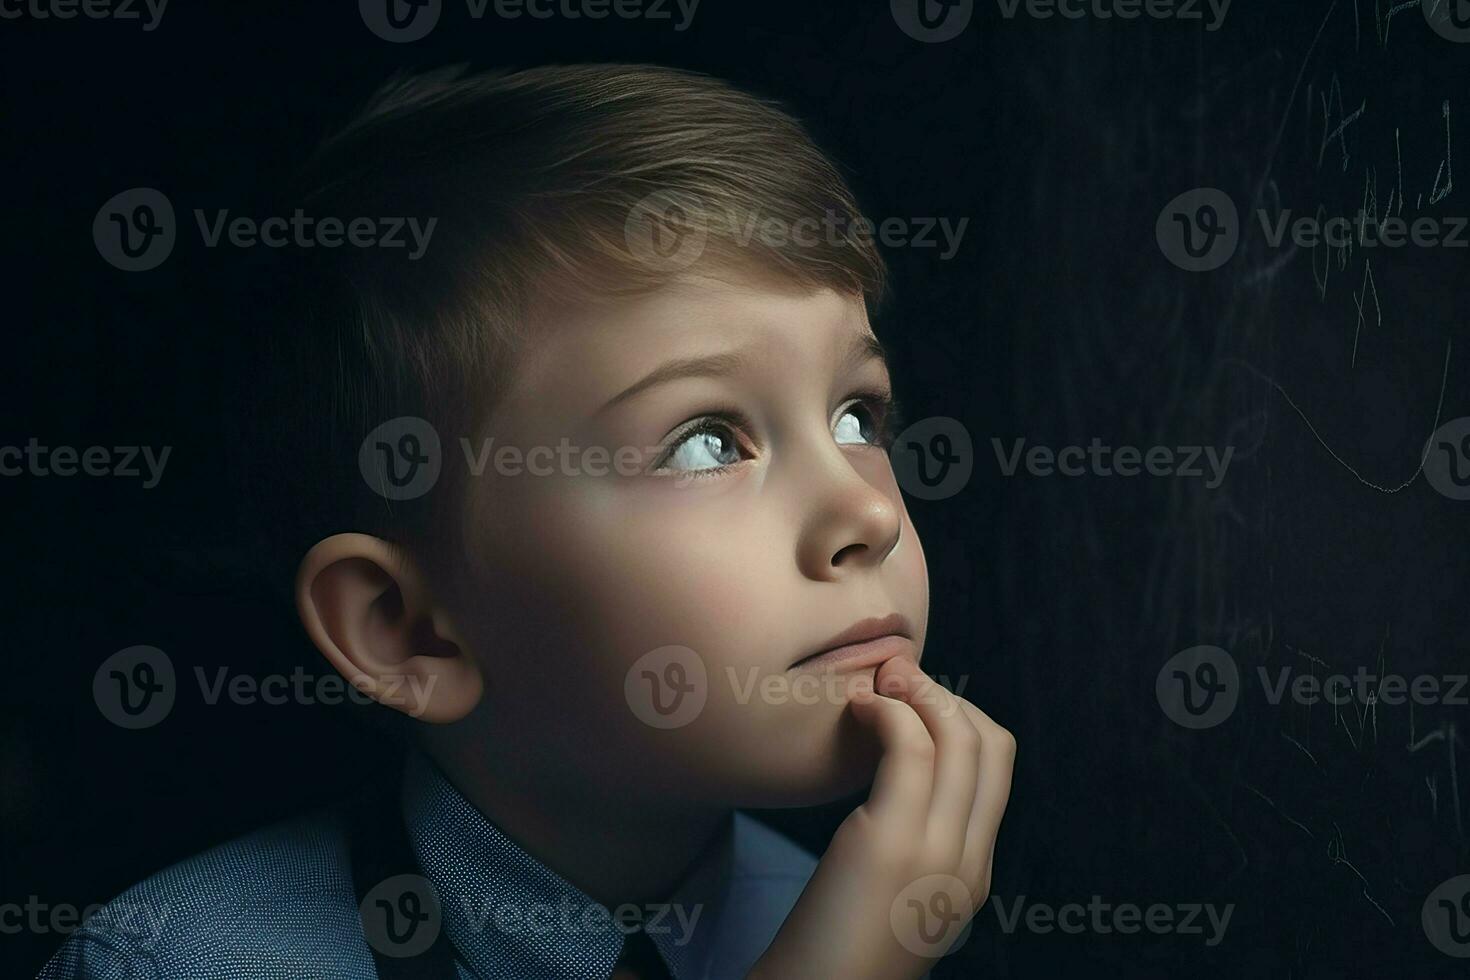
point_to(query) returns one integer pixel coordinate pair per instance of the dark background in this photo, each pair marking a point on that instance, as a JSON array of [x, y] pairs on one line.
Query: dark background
[[1059, 599]]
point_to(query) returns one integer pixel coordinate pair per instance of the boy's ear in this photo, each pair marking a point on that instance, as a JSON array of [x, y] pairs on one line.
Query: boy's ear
[[369, 612]]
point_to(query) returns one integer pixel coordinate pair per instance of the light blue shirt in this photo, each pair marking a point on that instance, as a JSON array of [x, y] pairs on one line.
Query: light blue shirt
[[280, 903]]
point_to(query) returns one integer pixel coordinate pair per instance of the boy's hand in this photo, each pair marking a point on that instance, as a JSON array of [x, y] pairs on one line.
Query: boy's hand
[[908, 869]]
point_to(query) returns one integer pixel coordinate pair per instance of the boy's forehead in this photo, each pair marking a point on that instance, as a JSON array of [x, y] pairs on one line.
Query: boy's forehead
[[592, 353]]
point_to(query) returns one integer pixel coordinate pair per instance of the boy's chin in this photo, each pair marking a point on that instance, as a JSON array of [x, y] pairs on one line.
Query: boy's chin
[[828, 772]]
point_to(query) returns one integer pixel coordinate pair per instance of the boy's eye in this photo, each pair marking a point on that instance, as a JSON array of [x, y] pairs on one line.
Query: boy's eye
[[711, 445], [860, 423]]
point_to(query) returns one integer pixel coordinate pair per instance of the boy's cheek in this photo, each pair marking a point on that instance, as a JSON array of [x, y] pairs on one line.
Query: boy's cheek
[[912, 573]]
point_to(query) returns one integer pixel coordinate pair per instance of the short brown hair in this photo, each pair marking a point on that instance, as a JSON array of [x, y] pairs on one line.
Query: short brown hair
[[533, 177]]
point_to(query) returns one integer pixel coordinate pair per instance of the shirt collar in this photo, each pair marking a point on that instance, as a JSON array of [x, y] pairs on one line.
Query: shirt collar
[[507, 914]]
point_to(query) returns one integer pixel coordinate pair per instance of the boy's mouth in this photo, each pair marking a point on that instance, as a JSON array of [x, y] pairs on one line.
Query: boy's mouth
[[866, 643]]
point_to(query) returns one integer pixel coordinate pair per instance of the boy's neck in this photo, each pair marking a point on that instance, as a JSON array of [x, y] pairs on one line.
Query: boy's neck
[[616, 850]]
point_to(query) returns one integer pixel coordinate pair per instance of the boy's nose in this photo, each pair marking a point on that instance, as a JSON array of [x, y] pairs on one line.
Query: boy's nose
[[852, 525]]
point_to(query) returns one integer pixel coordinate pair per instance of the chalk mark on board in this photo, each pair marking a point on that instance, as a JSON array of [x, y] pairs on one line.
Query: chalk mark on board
[[1435, 194], [1290, 101], [1387, 24], [1444, 377], [1368, 284]]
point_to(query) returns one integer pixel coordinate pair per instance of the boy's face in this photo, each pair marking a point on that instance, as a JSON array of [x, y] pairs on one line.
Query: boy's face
[[737, 501]]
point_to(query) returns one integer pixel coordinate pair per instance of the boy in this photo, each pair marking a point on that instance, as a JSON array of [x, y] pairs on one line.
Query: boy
[[604, 650]]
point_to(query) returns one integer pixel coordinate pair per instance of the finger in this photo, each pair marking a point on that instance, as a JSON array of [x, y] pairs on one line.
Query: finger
[[905, 774], [957, 755], [997, 763]]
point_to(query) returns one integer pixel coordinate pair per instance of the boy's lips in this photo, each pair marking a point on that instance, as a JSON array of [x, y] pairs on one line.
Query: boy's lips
[[866, 643]]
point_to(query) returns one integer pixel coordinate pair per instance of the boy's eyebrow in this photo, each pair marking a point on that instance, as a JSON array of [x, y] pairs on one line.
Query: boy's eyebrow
[[705, 365], [861, 349], [867, 348]]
